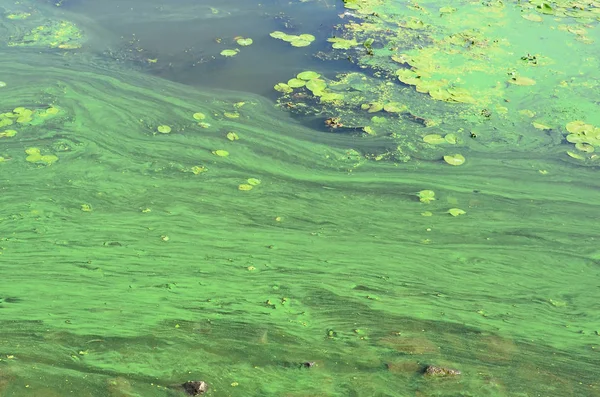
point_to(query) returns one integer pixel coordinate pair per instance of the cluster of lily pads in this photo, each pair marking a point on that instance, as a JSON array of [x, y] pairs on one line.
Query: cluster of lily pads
[[312, 82], [302, 40], [241, 41], [25, 116], [34, 155], [585, 137], [427, 196]]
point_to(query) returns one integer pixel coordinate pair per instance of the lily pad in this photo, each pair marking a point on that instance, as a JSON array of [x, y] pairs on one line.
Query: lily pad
[[232, 136], [394, 107], [163, 129], [455, 159], [308, 75], [434, 139], [245, 187], [244, 42], [229, 53], [584, 147], [282, 87], [253, 181], [426, 196], [220, 153], [300, 43], [578, 127], [520, 80], [316, 86], [342, 44], [456, 211], [331, 96], [278, 35], [296, 83], [450, 138], [199, 116]]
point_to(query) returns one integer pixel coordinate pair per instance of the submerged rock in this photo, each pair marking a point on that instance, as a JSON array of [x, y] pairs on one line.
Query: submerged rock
[[194, 388]]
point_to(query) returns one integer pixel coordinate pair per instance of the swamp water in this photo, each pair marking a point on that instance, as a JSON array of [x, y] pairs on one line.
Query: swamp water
[[154, 232]]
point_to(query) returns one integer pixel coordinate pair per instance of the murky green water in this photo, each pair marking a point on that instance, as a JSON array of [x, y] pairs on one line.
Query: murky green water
[[132, 260]]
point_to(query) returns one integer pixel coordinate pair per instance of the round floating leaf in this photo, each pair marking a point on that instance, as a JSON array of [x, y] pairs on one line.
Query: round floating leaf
[[374, 119], [456, 159], [245, 186], [278, 35], [300, 43], [331, 96], [308, 75], [2, 84], [8, 134], [427, 213], [316, 86], [520, 80], [32, 158], [434, 139], [575, 138], [307, 37], [32, 150], [456, 211], [163, 129], [296, 83], [49, 159], [229, 53], [426, 196], [253, 181], [199, 116], [541, 126], [220, 153], [375, 107], [231, 115], [232, 136], [244, 42], [575, 155], [282, 87], [584, 147], [450, 138], [578, 127], [394, 107]]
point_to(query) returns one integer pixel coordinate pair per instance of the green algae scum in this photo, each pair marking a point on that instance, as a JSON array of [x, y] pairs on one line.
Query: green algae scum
[[409, 208]]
